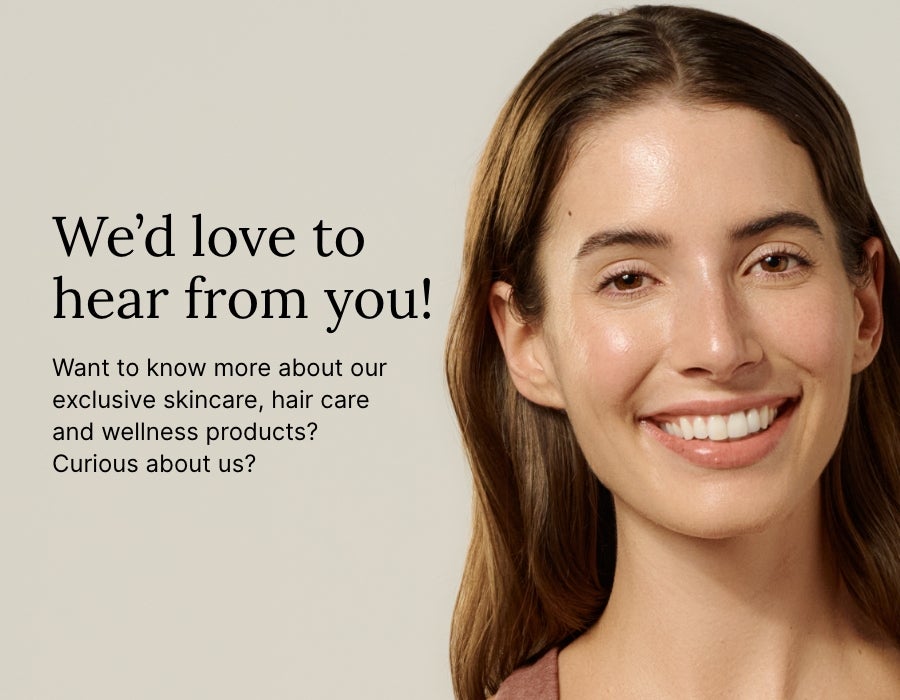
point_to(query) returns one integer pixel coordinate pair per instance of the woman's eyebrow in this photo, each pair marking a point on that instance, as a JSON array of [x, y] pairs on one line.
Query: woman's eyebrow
[[788, 219], [638, 237], [643, 238]]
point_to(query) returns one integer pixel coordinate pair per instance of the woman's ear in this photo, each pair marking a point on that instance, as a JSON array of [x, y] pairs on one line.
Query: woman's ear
[[870, 319], [524, 346]]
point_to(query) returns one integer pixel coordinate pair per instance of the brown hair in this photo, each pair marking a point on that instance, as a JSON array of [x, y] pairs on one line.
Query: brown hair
[[542, 554]]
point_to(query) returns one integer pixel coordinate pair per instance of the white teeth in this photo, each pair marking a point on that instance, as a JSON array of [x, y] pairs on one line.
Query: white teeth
[[737, 425], [718, 428], [753, 424], [700, 431], [733, 426]]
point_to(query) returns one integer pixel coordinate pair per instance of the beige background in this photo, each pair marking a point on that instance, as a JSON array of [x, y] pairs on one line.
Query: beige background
[[330, 570]]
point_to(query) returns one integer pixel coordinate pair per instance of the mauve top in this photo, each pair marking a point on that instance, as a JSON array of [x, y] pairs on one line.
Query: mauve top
[[540, 681]]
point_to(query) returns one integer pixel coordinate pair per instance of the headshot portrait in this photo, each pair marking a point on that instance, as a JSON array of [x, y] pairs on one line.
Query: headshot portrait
[[675, 363]]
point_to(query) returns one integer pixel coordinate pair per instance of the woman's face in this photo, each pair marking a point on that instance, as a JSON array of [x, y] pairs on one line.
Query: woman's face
[[699, 329]]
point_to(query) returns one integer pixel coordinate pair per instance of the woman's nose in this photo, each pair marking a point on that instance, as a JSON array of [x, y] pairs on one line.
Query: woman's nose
[[714, 333]]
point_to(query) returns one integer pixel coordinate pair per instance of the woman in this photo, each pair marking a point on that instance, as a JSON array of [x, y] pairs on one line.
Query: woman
[[675, 364]]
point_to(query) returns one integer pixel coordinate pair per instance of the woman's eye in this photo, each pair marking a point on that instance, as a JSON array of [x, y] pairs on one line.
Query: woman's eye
[[775, 263], [628, 281]]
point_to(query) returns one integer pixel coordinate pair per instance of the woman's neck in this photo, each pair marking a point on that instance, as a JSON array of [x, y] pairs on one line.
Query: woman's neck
[[757, 616]]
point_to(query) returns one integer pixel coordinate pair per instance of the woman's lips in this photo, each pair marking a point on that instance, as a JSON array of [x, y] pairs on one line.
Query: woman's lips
[[733, 440]]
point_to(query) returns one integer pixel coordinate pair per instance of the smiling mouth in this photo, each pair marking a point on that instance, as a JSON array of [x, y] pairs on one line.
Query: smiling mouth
[[719, 428]]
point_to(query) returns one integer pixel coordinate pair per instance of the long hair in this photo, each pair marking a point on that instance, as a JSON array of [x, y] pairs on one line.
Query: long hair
[[541, 560]]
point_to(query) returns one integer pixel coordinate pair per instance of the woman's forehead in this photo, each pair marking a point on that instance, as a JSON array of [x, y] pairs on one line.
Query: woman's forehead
[[683, 166]]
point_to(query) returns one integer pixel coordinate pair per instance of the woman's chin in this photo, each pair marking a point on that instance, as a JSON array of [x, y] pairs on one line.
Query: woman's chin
[[723, 515]]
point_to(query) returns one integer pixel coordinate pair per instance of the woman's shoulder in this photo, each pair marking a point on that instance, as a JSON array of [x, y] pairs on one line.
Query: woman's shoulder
[[539, 681]]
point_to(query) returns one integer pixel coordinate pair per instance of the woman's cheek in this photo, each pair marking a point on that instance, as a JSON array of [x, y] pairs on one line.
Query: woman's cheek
[[615, 348], [816, 330]]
